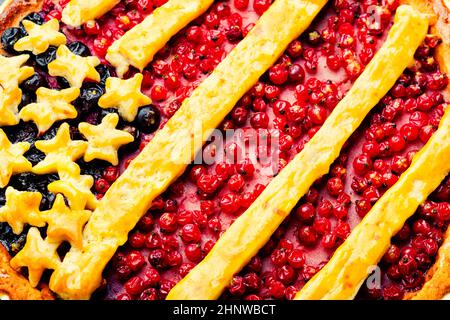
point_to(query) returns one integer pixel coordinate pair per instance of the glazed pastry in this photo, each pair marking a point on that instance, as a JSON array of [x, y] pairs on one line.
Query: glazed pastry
[[14, 73], [50, 107], [12, 158], [167, 155], [73, 67], [138, 46], [352, 262], [22, 208], [40, 37], [104, 140], [37, 255]]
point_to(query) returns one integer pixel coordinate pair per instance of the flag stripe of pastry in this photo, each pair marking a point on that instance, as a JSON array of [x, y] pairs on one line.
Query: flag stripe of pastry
[[353, 260], [78, 12], [250, 232], [173, 147], [138, 46]]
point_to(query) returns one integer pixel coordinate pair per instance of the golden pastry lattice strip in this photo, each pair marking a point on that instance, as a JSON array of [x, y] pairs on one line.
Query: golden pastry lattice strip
[[352, 262], [171, 150], [138, 46], [78, 12], [254, 227]]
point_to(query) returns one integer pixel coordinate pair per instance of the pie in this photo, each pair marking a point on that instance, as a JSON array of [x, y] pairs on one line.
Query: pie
[[239, 149]]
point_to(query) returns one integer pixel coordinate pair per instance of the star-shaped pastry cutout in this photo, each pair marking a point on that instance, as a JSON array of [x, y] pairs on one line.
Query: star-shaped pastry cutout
[[61, 151], [50, 106], [124, 95], [12, 160], [104, 140], [40, 37], [37, 255], [12, 72], [22, 207], [75, 187], [9, 106], [74, 68], [65, 224]]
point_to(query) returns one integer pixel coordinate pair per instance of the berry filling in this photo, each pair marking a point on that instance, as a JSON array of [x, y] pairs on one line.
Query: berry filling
[[287, 106]]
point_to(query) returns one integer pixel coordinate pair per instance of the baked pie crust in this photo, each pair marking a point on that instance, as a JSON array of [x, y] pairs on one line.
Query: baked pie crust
[[435, 287], [78, 12], [248, 234]]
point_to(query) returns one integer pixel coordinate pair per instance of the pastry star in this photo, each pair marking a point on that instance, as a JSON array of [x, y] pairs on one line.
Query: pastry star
[[65, 223], [12, 73], [74, 68], [75, 187], [40, 37], [9, 106], [38, 255], [51, 106], [12, 160], [124, 95], [104, 140], [61, 151], [22, 207]]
